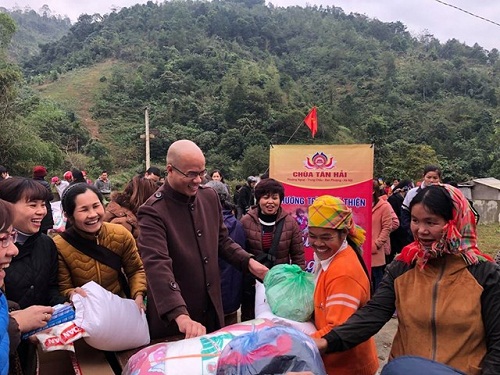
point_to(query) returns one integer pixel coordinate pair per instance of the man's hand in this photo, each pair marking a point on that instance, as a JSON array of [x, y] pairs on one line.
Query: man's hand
[[321, 343], [189, 327], [32, 317], [257, 269]]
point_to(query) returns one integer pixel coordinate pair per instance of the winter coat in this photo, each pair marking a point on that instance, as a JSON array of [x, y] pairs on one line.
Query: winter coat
[[117, 214], [4, 335], [382, 224], [290, 247], [246, 198], [76, 268], [31, 278], [231, 278], [398, 237], [181, 238], [448, 312]]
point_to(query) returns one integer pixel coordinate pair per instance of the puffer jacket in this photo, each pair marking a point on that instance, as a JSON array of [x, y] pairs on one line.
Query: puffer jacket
[[290, 247], [76, 268], [31, 278], [117, 214]]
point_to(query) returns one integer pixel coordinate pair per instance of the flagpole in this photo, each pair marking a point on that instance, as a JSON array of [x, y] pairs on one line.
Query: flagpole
[[296, 130], [289, 139]]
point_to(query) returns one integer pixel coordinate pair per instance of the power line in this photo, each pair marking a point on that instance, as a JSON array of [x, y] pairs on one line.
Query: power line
[[466, 11]]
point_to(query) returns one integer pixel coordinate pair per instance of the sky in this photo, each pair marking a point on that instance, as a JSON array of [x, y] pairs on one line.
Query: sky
[[420, 16]]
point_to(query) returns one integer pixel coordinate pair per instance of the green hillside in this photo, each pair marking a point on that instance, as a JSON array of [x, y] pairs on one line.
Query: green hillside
[[78, 90], [235, 76], [34, 29]]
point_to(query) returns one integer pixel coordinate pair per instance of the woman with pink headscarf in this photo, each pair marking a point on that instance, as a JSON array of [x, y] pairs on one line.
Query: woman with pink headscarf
[[446, 292]]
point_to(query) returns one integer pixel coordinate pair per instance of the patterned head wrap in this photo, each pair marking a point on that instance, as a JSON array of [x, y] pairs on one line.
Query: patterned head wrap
[[459, 236], [331, 212]]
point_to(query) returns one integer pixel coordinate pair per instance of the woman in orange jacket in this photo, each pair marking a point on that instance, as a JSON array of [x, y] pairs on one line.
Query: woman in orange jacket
[[342, 283]]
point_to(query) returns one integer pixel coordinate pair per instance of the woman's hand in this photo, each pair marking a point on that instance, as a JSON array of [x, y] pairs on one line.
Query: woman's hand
[[139, 301], [79, 291], [32, 317]]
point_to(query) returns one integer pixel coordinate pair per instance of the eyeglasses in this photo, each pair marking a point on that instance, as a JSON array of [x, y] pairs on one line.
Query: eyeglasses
[[191, 175], [322, 238], [11, 237]]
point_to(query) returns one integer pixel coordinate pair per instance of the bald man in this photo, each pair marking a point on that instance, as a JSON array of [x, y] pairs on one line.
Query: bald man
[[181, 236]]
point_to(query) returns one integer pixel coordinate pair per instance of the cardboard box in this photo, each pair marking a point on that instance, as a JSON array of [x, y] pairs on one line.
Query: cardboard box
[[89, 361]]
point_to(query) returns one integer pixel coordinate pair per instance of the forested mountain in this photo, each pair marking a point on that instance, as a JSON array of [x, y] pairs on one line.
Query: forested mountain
[[236, 75], [34, 29]]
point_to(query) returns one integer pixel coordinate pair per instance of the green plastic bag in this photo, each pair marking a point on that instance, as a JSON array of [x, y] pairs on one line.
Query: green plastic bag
[[290, 292]]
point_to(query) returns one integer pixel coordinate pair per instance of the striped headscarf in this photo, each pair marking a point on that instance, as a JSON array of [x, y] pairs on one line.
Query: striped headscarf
[[331, 212], [459, 236]]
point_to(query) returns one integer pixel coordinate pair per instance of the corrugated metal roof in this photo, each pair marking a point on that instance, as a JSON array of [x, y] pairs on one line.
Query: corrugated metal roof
[[490, 181]]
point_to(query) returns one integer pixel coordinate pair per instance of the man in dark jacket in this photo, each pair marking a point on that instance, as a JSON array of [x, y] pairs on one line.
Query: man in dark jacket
[[39, 172], [182, 234]]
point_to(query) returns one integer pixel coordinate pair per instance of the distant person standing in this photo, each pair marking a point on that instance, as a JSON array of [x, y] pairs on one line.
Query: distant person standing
[[246, 198], [68, 177], [104, 185], [432, 176], [153, 173], [59, 185], [39, 172], [399, 237], [4, 173], [76, 176]]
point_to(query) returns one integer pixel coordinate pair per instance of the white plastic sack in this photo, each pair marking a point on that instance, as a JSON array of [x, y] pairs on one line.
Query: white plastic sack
[[112, 323], [263, 311]]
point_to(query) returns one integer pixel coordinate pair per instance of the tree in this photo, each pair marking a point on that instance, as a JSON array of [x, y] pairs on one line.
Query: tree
[[255, 160]]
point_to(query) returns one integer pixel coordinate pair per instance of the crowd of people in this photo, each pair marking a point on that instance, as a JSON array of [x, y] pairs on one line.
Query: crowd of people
[[188, 252]]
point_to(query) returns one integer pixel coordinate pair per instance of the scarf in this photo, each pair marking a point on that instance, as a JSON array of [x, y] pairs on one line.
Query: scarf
[[459, 236]]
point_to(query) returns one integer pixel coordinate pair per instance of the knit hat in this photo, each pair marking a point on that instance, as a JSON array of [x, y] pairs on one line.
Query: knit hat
[[39, 171], [54, 179], [67, 175], [332, 212], [220, 188]]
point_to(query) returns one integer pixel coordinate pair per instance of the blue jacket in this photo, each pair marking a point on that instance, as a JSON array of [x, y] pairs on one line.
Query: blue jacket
[[4, 335], [231, 279]]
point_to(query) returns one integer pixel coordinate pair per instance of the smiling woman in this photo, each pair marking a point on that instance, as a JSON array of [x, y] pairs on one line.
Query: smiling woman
[[446, 292], [271, 242], [92, 250], [31, 278]]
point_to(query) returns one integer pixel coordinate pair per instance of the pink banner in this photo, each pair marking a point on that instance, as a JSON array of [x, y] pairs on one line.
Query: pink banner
[[307, 172]]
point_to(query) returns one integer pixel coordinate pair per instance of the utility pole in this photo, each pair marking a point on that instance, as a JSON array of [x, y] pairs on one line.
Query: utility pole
[[147, 137], [146, 120]]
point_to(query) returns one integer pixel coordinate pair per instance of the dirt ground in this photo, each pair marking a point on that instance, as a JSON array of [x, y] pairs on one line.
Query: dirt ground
[[383, 339]]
